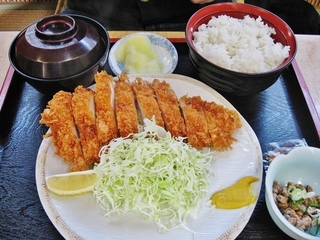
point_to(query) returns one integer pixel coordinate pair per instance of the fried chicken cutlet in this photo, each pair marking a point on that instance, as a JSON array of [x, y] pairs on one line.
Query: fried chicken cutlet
[[125, 107], [84, 116], [169, 107], [59, 118], [196, 125], [222, 123], [105, 114], [147, 102]]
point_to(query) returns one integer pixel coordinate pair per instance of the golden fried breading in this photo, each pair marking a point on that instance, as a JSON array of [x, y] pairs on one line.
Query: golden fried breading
[[58, 117], [105, 116], [126, 112], [82, 122], [196, 125], [84, 116], [147, 101], [169, 107], [222, 123]]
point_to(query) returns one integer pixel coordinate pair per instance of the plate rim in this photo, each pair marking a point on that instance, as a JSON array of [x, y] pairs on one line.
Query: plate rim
[[69, 233]]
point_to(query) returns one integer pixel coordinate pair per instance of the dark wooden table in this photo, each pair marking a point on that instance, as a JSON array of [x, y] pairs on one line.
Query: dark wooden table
[[279, 113]]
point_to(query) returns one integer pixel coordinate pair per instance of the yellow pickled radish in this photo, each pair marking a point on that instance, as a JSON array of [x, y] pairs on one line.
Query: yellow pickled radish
[[73, 183], [138, 55]]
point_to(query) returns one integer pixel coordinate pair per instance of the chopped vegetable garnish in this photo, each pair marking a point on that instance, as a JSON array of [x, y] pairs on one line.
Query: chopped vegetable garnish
[[152, 173], [299, 205], [297, 194]]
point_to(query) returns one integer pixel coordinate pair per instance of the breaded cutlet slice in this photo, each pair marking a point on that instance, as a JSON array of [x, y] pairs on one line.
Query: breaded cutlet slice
[[146, 101], [58, 117], [125, 107], [169, 107], [104, 102], [196, 125], [84, 117], [222, 123]]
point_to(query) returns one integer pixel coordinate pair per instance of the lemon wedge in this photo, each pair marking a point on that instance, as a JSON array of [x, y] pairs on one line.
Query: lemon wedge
[[73, 183]]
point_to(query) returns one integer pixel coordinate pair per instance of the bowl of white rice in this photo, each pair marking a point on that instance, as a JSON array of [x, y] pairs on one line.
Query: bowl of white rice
[[239, 49]]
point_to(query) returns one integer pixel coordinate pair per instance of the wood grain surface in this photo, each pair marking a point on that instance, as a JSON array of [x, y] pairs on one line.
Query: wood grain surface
[[307, 68]]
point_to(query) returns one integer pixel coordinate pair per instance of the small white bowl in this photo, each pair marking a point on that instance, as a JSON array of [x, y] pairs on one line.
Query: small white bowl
[[165, 49], [302, 164]]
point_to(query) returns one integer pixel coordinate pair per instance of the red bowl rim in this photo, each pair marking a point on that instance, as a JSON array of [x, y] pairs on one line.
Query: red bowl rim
[[242, 8]]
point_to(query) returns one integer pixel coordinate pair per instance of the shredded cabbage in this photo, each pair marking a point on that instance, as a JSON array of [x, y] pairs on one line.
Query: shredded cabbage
[[154, 174]]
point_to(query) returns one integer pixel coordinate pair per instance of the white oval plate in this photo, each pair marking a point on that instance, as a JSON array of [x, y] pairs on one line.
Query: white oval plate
[[80, 217], [165, 49]]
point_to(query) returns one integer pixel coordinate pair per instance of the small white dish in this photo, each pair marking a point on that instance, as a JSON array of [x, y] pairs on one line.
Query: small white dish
[[165, 49], [300, 165]]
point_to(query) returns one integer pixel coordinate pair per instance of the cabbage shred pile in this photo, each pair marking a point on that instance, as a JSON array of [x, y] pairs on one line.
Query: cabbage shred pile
[[161, 177]]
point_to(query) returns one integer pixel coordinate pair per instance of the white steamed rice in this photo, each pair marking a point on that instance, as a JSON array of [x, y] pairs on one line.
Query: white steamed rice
[[243, 45]]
